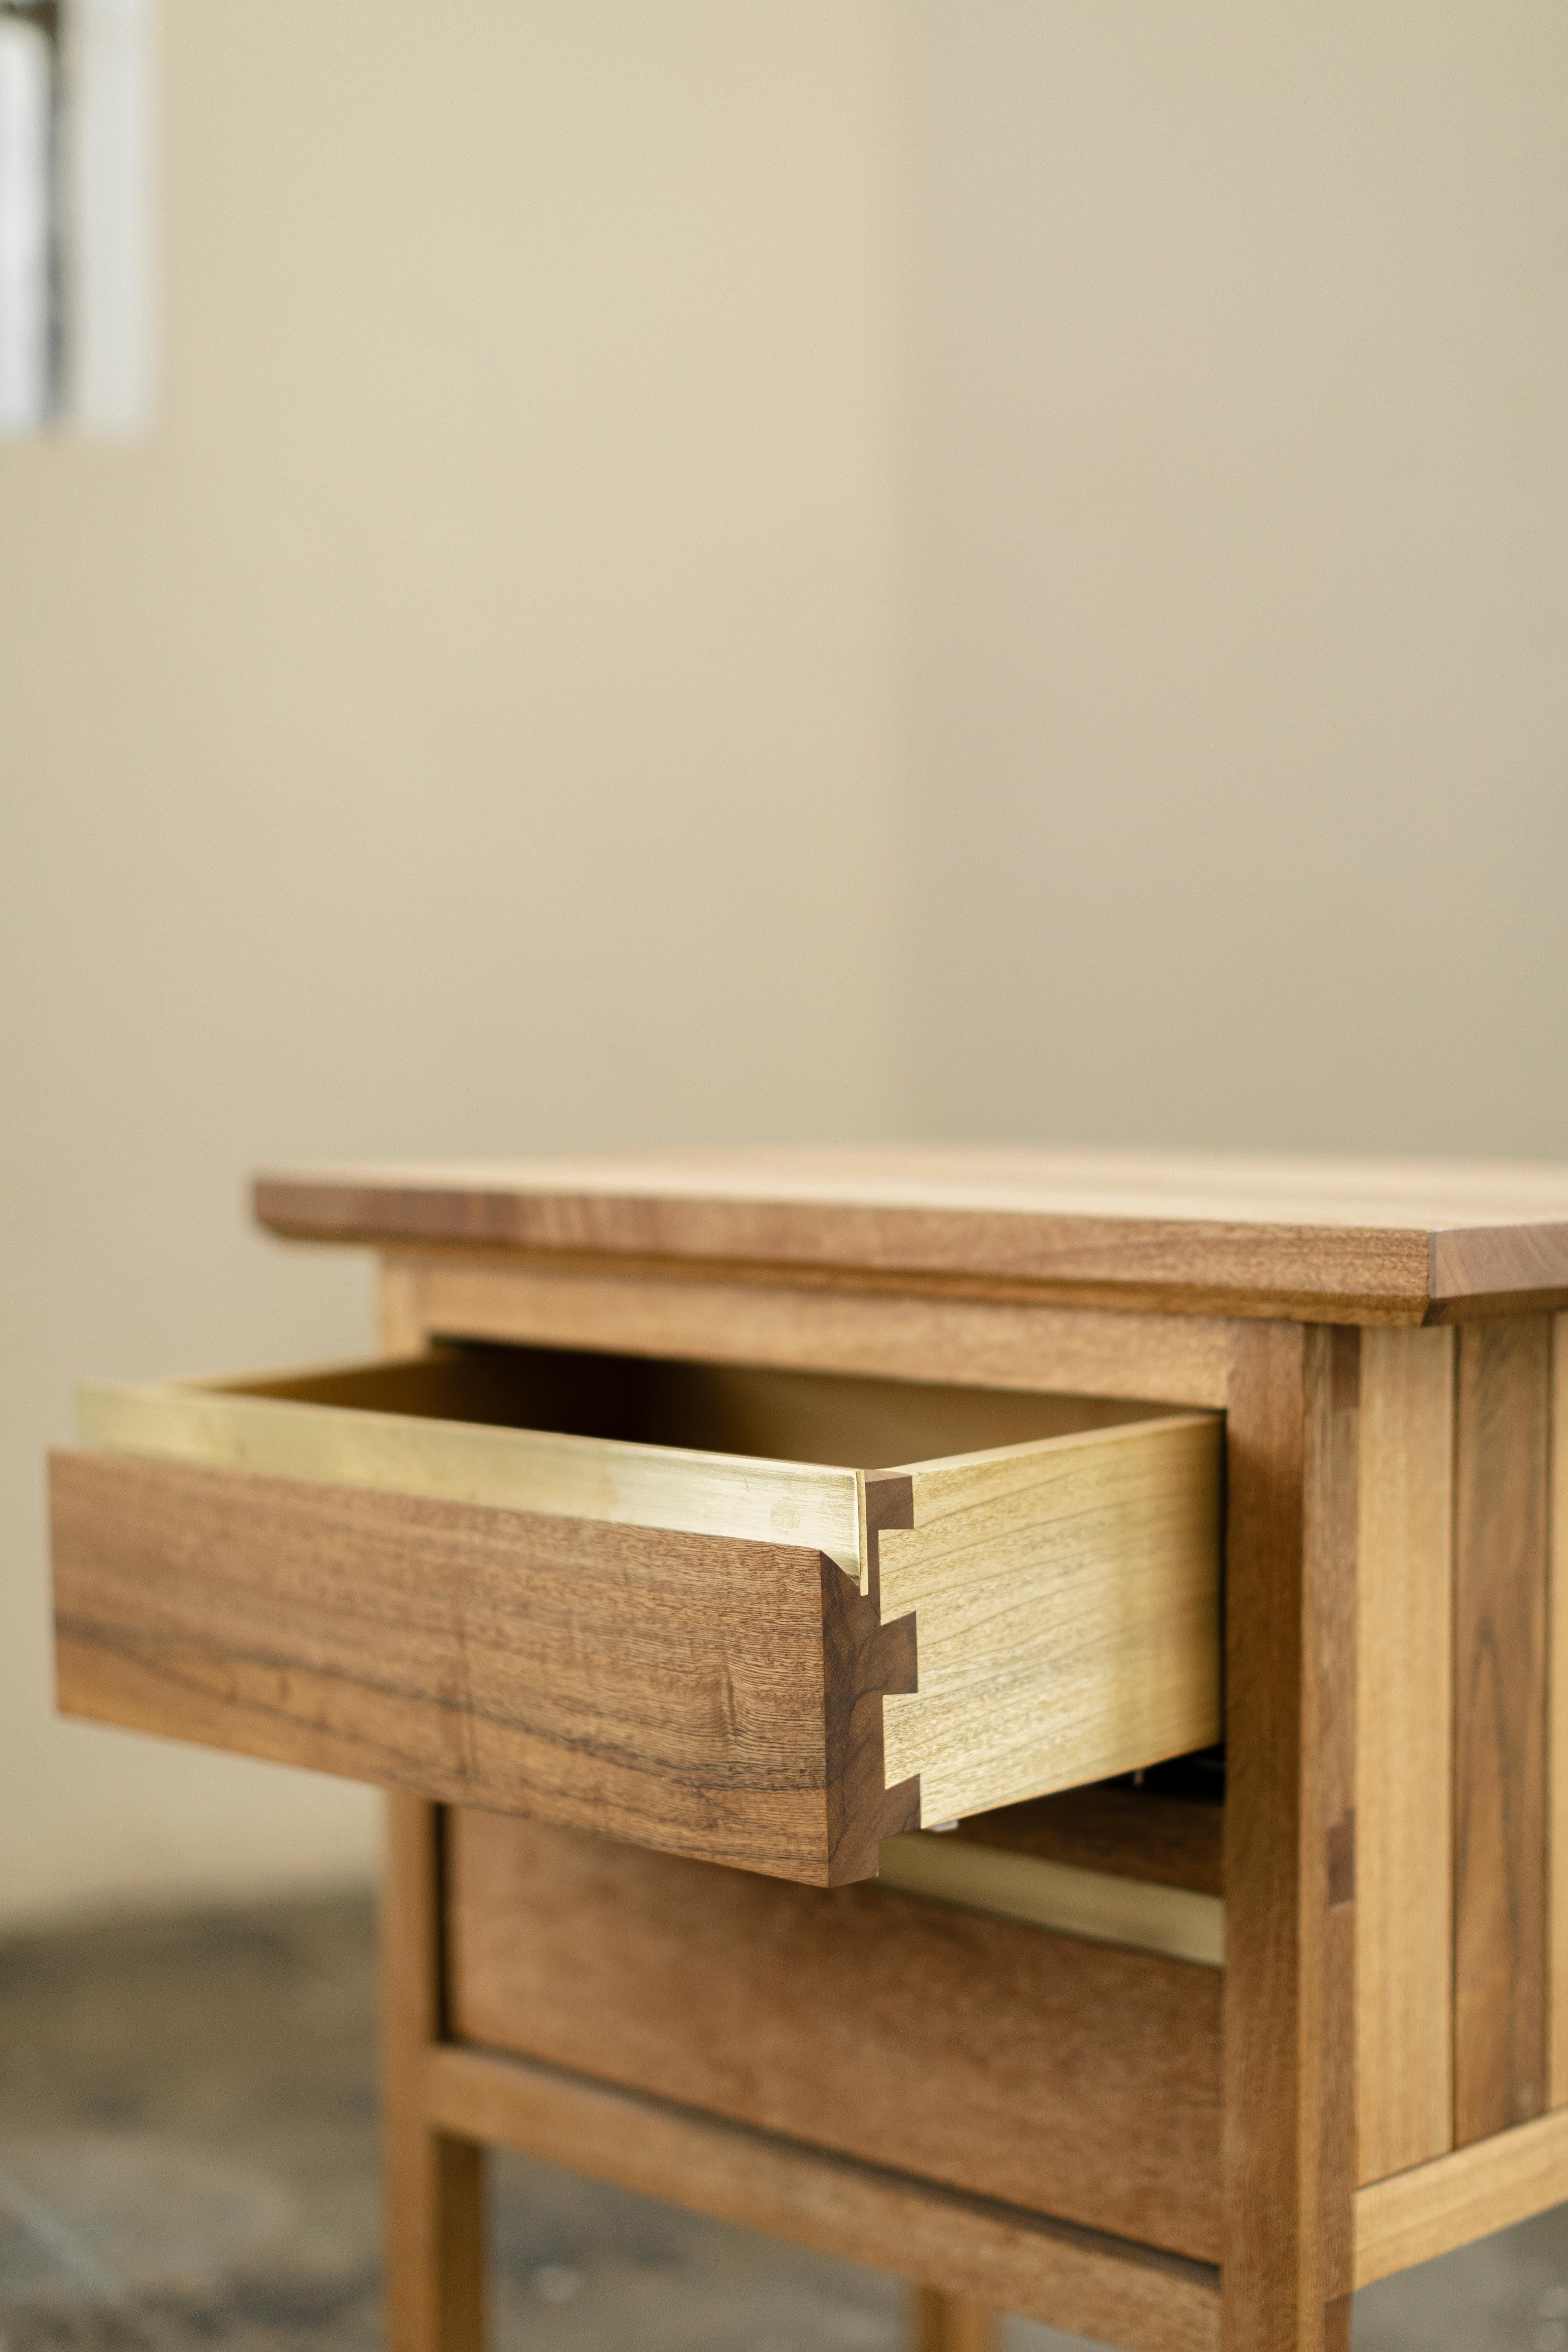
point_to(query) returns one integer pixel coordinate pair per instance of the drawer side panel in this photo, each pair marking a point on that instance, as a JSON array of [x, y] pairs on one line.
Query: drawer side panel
[[1068, 1605]]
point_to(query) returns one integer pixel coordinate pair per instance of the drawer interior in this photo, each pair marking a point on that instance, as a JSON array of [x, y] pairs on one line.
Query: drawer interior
[[771, 1415]]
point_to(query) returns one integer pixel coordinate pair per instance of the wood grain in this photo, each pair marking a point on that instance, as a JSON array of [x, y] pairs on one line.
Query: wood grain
[[1404, 1820], [674, 1689], [434, 2184], [951, 2323], [400, 1309], [864, 1659], [497, 1426], [1009, 2260], [658, 1309], [1112, 1826], [1501, 1469], [1108, 1909], [1064, 2077], [1289, 2159], [1506, 1270], [1557, 1907], [1456, 2199], [1064, 1575], [1330, 1849], [1068, 1601], [704, 1449], [1345, 1240]]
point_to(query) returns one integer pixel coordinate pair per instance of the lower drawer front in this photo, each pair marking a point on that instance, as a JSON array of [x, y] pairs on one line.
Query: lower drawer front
[[1063, 2077]]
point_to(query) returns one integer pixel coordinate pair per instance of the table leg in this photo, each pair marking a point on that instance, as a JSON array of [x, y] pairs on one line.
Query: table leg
[[433, 2249], [950, 2323], [1290, 1832]]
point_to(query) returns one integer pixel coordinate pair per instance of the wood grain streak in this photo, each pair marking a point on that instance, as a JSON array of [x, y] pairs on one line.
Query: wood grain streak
[[951, 2323], [1330, 1840], [863, 1660], [658, 1309], [1290, 1676], [1557, 1921], [1456, 2199], [1404, 1830], [662, 1687], [433, 2187], [1346, 1240], [1499, 1757], [1078, 2280], [1504, 1270], [1067, 1599], [1065, 2077]]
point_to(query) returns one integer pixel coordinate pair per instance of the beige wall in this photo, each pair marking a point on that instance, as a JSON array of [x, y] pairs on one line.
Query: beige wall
[[767, 567], [1239, 741], [464, 725]]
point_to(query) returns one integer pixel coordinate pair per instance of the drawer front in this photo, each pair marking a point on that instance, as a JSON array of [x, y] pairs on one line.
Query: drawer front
[[709, 1697], [1063, 2077], [754, 1648]]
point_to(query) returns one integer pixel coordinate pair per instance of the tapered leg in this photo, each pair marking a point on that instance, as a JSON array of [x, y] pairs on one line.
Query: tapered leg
[[434, 2210], [950, 2323]]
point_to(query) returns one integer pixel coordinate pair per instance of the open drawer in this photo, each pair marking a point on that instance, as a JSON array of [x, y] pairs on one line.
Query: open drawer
[[683, 1604]]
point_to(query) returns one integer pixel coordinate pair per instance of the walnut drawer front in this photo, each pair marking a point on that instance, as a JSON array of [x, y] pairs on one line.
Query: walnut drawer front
[[683, 1605], [1062, 2076]]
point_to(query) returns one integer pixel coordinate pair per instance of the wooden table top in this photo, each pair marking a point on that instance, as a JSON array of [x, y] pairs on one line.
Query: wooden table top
[[1319, 1239]]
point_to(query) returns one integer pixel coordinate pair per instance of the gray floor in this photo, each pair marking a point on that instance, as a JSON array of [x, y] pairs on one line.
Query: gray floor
[[187, 2164]]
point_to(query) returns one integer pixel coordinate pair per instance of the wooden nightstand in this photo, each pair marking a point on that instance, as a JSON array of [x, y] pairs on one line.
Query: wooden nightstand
[[713, 1532]]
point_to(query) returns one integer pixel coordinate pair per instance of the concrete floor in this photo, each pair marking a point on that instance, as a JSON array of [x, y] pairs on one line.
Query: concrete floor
[[187, 2164]]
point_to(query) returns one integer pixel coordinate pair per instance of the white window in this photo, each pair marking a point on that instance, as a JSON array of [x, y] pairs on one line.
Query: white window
[[76, 215], [28, 213]]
